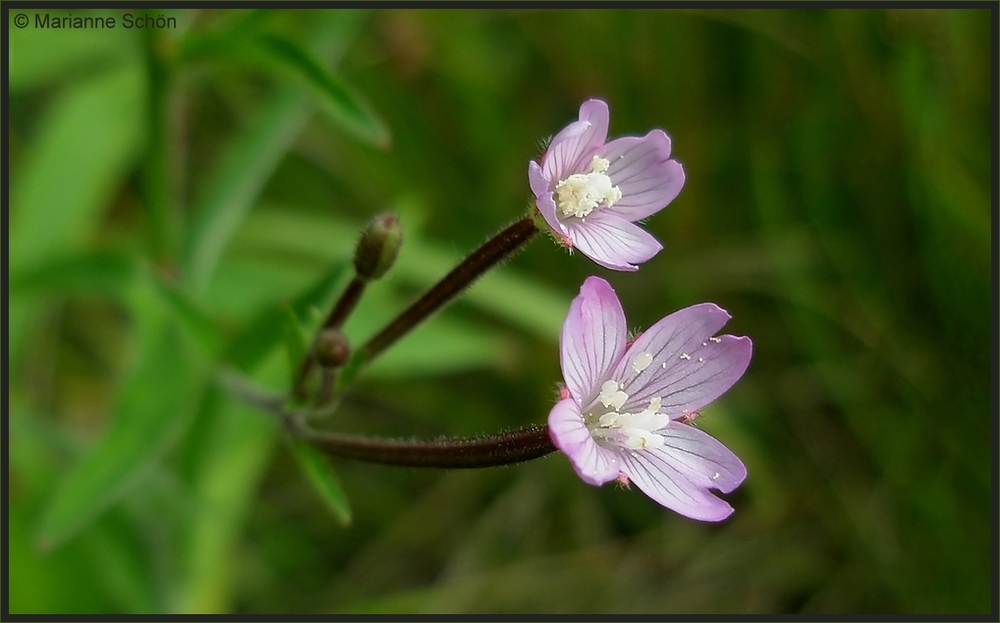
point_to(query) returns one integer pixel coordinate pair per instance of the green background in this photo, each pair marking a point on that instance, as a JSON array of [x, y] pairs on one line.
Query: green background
[[173, 190]]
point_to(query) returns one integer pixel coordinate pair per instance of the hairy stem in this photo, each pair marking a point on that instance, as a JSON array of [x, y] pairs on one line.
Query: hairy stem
[[488, 451], [492, 252]]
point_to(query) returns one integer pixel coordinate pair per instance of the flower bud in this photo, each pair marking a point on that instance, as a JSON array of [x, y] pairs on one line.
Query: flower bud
[[378, 247], [332, 349]]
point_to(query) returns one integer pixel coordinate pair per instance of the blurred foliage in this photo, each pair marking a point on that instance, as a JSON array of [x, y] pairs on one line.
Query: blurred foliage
[[174, 193]]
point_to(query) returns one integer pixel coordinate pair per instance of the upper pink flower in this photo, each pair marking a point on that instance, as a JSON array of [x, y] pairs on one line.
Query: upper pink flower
[[625, 408], [591, 192]]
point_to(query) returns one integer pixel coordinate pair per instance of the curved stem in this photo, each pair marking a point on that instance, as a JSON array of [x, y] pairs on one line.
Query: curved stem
[[489, 451], [493, 251], [515, 446]]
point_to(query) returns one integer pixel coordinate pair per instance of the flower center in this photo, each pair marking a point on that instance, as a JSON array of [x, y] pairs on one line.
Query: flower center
[[632, 430], [581, 193]]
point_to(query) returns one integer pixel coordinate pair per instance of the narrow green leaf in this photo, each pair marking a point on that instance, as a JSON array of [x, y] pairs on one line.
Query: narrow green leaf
[[324, 480], [232, 462], [109, 272], [287, 58], [153, 410], [88, 141], [246, 167], [124, 575], [296, 341], [346, 108], [42, 56], [199, 324], [250, 160], [62, 189]]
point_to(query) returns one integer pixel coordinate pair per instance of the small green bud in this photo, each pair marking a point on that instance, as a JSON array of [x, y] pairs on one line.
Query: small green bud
[[378, 247], [331, 348]]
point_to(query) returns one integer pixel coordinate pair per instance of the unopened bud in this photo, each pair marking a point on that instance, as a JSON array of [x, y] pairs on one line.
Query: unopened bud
[[378, 247], [332, 349]]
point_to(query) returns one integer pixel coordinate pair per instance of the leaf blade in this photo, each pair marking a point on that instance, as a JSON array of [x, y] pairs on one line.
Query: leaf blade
[[324, 481], [152, 412]]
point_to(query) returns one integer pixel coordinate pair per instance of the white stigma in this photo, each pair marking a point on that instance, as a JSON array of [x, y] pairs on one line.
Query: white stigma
[[581, 193], [642, 361]]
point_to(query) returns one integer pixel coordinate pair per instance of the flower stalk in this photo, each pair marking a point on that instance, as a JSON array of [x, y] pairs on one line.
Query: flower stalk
[[492, 252], [515, 446]]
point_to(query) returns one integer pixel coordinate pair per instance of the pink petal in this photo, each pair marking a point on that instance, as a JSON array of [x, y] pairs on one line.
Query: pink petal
[[642, 170], [576, 140], [612, 241], [656, 476], [699, 368], [593, 339], [547, 208], [536, 179], [595, 465], [701, 457]]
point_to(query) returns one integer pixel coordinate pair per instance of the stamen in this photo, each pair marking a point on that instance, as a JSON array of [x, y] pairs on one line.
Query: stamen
[[581, 193], [611, 396]]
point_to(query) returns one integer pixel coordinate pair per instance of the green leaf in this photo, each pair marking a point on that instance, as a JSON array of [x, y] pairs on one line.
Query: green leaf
[[41, 56], [287, 58], [324, 480], [199, 324], [109, 272], [346, 108], [246, 167], [152, 412], [233, 458], [250, 160], [87, 144]]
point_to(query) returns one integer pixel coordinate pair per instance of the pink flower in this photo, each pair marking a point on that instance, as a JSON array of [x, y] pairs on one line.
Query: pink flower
[[625, 408], [591, 192]]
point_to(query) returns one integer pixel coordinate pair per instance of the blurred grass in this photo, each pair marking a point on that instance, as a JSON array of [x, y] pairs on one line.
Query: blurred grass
[[170, 189]]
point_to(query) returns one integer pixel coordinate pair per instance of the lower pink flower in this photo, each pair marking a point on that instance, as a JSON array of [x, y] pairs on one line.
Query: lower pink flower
[[625, 411]]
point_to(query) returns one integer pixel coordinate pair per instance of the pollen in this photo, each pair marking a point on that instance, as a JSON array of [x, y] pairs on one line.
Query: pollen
[[642, 361], [685, 356]]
